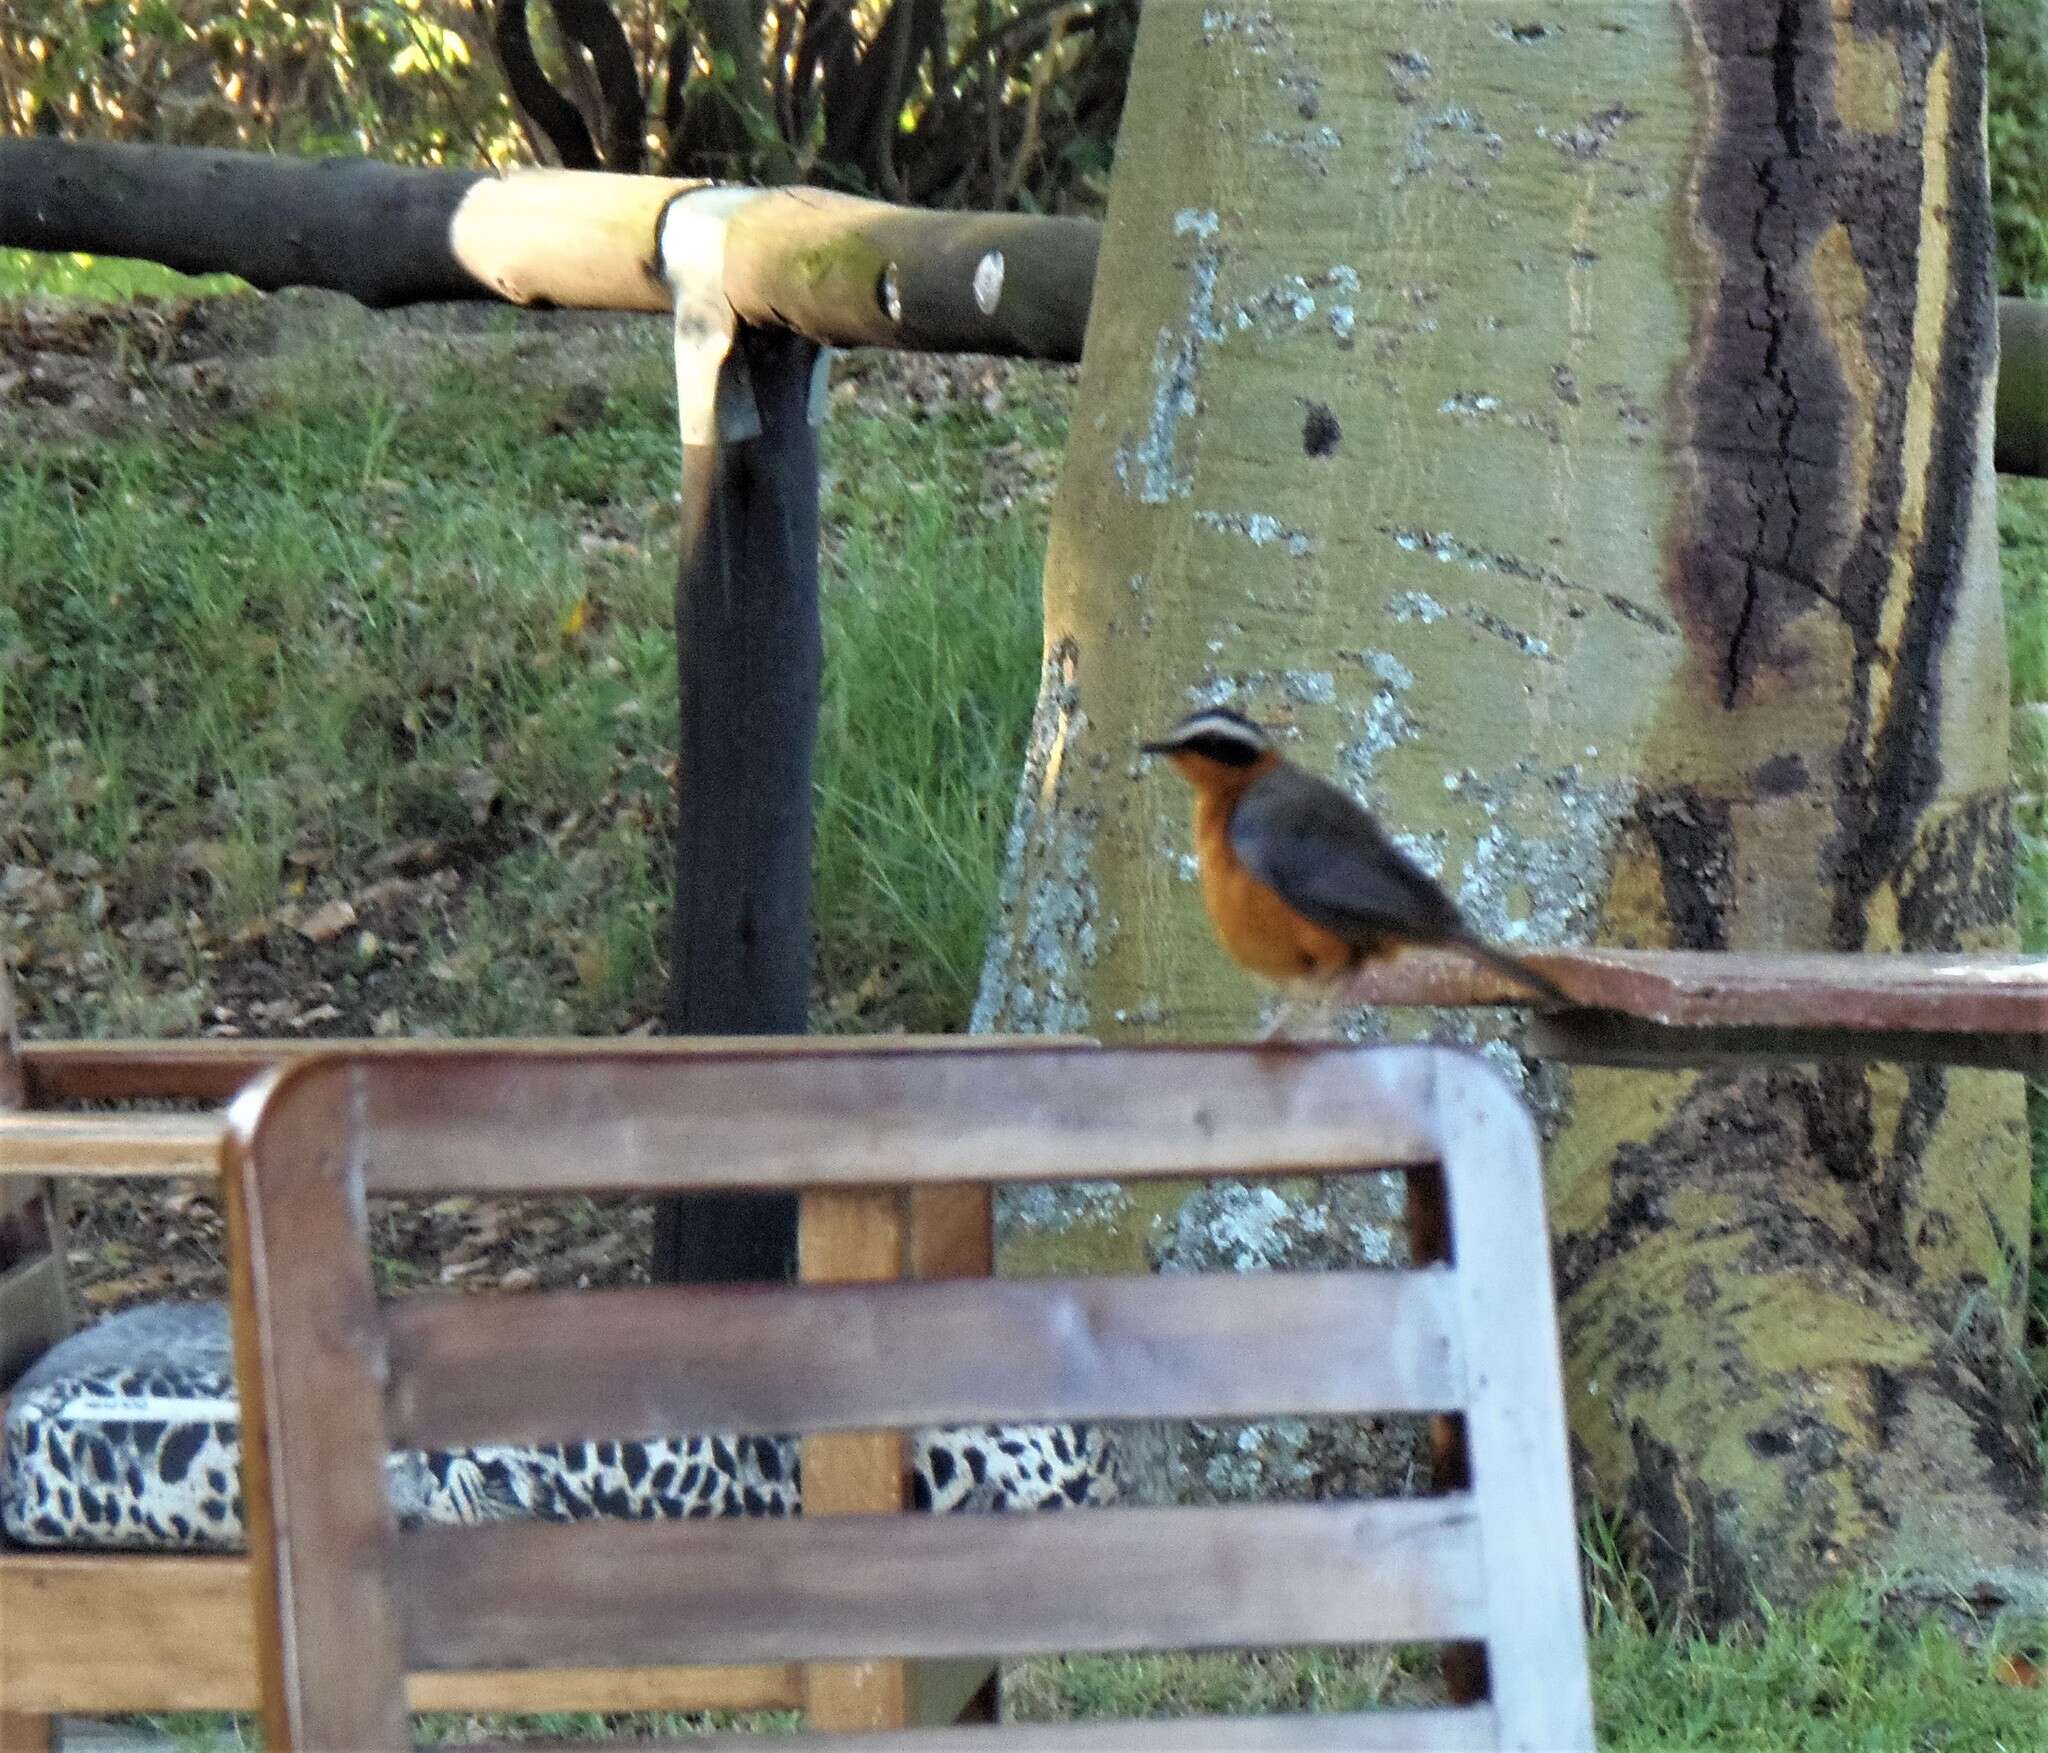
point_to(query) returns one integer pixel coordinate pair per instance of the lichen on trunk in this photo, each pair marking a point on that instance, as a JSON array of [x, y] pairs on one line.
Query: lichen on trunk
[[1573, 433]]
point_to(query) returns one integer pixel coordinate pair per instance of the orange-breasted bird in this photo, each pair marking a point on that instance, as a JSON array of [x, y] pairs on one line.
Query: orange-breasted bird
[[1301, 884]]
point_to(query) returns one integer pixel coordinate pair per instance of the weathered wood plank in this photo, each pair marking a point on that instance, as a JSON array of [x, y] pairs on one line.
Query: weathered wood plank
[[744, 1119], [854, 1239], [309, 1364], [110, 1144], [646, 1361], [1368, 1731], [1938, 993], [85, 1634], [848, 1587], [213, 1070], [1520, 1477]]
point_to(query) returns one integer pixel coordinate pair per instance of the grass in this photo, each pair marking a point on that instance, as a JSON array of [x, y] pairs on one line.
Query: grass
[[2023, 542], [429, 599], [405, 606], [101, 279]]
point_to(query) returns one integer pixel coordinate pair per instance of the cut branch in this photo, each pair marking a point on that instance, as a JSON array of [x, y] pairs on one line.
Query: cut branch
[[802, 259]]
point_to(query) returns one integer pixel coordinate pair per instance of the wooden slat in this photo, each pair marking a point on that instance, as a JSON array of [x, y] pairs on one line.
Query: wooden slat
[[110, 1144], [87, 1634], [744, 1119], [214, 1070], [847, 1587], [1366, 1731], [309, 1366], [1963, 994], [854, 1239], [1492, 1170], [648, 1361]]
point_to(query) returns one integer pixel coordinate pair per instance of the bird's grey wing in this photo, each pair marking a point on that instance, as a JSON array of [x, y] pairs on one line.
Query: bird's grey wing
[[1327, 859]]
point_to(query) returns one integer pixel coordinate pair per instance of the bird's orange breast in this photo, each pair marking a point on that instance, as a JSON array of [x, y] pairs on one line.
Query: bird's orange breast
[[1255, 926]]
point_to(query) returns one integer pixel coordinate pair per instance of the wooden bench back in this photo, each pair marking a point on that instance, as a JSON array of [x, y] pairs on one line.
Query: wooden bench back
[[331, 1379]]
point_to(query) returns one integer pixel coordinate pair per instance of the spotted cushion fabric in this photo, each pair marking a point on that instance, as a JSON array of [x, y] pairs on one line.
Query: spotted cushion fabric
[[126, 1436]]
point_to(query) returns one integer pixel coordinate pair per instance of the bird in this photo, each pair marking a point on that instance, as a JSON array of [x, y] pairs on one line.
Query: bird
[[1301, 885]]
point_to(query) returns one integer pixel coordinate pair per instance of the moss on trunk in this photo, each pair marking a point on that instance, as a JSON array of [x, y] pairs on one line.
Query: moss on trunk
[[1574, 433]]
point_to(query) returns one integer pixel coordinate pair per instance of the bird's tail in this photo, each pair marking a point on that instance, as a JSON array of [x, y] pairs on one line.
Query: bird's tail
[[1515, 969]]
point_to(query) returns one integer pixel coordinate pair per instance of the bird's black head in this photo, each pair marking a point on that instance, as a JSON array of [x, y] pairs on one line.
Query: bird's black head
[[1215, 734]]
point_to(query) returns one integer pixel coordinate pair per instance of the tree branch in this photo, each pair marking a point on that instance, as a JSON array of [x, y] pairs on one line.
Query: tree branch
[[622, 108], [807, 260], [552, 115]]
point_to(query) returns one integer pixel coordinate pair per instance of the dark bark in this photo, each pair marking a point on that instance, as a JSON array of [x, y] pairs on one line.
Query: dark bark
[[558, 121], [748, 655], [375, 231], [623, 122]]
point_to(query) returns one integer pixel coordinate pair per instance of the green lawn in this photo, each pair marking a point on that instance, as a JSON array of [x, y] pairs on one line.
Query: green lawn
[[378, 615]]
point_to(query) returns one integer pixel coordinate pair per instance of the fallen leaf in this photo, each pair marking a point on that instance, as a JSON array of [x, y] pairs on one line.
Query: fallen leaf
[[478, 788], [2016, 1670], [324, 924], [576, 619]]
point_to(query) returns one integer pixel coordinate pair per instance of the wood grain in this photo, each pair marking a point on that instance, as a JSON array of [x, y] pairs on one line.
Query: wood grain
[[309, 1358], [88, 1634], [853, 1239], [645, 1362], [1368, 1731], [1520, 1479], [1952, 993], [847, 1587], [110, 1144], [742, 1119], [213, 1070]]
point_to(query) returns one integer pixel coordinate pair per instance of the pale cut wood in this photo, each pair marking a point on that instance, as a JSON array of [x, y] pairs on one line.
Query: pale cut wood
[[766, 1121], [1369, 1731], [1520, 1474], [849, 1239], [89, 1634], [309, 1357], [644, 1361], [845, 1587], [110, 1144]]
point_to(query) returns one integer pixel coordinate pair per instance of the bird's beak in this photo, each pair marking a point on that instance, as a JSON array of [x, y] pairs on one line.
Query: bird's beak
[[1155, 748]]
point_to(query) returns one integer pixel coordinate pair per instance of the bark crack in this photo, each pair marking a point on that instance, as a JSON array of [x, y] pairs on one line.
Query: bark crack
[[1777, 321]]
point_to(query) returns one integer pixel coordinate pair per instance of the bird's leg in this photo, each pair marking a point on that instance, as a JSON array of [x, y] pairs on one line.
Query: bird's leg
[[1317, 1007]]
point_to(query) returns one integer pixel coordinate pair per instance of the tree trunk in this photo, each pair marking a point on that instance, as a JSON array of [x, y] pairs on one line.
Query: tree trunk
[[1575, 432]]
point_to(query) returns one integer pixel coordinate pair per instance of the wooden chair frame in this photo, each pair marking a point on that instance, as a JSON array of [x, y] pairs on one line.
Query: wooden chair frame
[[86, 1633], [331, 1379]]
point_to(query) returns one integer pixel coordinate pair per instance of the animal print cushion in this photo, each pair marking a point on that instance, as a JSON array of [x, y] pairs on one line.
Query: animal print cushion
[[125, 1435]]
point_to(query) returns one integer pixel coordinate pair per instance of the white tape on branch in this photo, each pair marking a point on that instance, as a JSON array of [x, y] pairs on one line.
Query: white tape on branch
[[714, 394]]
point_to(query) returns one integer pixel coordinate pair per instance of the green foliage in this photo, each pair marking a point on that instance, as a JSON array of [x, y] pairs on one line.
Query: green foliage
[[411, 80], [2023, 548], [2016, 32], [99, 279]]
